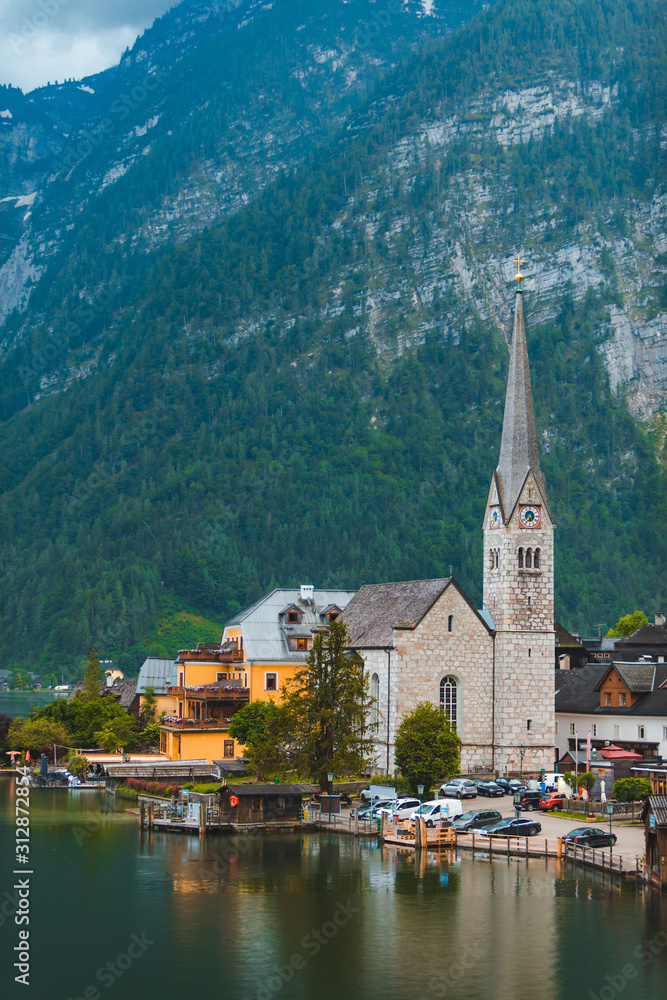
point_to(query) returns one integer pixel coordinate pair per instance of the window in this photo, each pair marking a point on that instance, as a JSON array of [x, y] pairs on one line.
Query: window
[[520, 558], [375, 706], [450, 623], [607, 699], [529, 558], [228, 748], [621, 699], [529, 723], [180, 709], [257, 805], [302, 644], [271, 682], [333, 615], [594, 729], [449, 699], [664, 732], [529, 652], [293, 617], [221, 677], [641, 732], [617, 732], [180, 679], [572, 729], [556, 727], [492, 559], [281, 803], [497, 557], [536, 559], [163, 742]]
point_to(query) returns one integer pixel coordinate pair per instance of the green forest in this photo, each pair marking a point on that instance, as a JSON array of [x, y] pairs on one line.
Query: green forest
[[237, 433]]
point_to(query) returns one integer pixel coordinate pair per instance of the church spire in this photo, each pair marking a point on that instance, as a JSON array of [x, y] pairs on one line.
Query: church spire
[[518, 448]]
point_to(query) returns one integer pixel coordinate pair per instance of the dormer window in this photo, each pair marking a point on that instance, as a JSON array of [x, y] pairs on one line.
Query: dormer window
[[293, 617], [332, 616]]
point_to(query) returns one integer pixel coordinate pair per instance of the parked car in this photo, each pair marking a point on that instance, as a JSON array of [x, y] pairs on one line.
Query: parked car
[[530, 800], [490, 788], [513, 828], [553, 801], [476, 820], [511, 785], [401, 808], [370, 809], [437, 810], [590, 837], [459, 788]]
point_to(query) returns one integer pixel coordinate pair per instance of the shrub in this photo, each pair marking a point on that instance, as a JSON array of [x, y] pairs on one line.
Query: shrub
[[631, 789]]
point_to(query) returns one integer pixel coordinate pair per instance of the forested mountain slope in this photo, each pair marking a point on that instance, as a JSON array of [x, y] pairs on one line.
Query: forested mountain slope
[[313, 388]]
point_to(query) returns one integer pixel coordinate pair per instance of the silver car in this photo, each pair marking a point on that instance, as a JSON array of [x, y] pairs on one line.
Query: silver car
[[459, 788]]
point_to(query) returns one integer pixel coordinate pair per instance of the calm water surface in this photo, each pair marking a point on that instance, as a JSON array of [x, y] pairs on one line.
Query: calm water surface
[[17, 703], [225, 919]]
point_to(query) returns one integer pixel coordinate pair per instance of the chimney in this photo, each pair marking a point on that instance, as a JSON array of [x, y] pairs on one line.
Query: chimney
[[307, 593], [659, 618]]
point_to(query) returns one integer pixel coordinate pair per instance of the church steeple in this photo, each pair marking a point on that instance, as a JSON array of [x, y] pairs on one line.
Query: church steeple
[[518, 447]]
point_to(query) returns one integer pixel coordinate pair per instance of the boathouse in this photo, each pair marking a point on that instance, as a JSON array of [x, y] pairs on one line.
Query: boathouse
[[654, 816], [263, 804]]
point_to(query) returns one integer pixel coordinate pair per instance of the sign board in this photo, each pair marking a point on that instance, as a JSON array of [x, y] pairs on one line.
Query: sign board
[[651, 821]]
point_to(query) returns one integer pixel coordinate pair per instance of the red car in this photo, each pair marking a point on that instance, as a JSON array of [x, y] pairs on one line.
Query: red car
[[553, 801]]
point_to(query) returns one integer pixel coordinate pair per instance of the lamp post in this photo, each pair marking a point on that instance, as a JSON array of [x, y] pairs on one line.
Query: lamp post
[[420, 793], [517, 811], [330, 779], [610, 811]]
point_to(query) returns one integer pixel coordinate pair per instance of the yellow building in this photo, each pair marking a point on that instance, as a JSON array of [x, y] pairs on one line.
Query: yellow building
[[261, 648]]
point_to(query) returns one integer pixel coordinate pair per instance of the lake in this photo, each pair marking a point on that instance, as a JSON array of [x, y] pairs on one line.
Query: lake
[[135, 915], [17, 703]]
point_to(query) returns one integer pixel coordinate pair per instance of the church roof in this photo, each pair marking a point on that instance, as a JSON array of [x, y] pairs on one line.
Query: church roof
[[518, 447], [377, 609]]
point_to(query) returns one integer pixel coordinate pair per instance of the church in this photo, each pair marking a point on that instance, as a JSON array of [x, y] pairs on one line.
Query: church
[[491, 670]]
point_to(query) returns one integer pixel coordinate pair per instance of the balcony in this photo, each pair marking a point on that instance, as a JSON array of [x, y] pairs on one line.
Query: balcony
[[193, 725], [208, 653], [223, 691]]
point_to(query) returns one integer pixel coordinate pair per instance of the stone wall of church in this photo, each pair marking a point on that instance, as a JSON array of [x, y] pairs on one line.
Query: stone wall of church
[[419, 661], [525, 709]]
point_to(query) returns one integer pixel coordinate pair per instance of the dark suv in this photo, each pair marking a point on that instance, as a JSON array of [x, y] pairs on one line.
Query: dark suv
[[530, 801], [476, 820]]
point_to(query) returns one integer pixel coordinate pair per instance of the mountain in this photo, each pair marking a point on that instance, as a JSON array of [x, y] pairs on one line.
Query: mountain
[[209, 395]]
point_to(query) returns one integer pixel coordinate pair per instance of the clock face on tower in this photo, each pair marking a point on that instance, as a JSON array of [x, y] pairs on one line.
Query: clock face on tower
[[494, 517], [530, 516]]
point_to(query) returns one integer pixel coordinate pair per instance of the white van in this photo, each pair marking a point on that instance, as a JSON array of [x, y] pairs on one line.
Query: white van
[[438, 809]]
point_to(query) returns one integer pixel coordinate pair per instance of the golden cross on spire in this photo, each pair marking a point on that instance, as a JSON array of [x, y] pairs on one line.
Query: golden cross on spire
[[518, 276]]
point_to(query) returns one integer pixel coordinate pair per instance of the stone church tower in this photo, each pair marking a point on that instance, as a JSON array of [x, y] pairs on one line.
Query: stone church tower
[[519, 578]]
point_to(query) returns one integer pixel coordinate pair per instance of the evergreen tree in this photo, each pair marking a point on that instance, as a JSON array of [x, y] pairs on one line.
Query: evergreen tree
[[92, 678], [326, 704]]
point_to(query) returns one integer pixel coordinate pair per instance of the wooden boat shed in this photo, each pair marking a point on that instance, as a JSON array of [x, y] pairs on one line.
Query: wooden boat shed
[[263, 804], [654, 816]]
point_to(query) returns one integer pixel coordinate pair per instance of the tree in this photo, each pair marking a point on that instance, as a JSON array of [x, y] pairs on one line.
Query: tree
[[18, 680], [628, 624], [149, 707], [632, 789], [325, 704], [116, 734], [92, 678], [77, 765], [587, 781], [5, 723], [427, 748], [261, 728], [37, 735]]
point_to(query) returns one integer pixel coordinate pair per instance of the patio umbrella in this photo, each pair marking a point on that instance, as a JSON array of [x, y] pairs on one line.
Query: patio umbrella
[[44, 767]]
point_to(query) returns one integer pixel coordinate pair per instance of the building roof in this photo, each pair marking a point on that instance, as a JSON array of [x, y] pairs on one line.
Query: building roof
[[613, 752], [158, 674], [658, 806], [378, 608], [518, 447], [639, 677], [565, 639], [646, 635], [577, 691], [245, 790], [265, 635], [124, 691]]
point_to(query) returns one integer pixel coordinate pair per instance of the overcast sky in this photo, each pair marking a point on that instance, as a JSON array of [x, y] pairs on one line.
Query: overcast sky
[[49, 40]]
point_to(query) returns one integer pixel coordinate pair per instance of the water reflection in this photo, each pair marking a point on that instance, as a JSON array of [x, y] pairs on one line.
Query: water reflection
[[304, 916]]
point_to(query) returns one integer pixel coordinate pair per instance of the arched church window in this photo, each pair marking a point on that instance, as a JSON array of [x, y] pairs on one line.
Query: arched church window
[[520, 558], [497, 557], [449, 699], [491, 563], [375, 707], [450, 623], [536, 559], [529, 558]]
